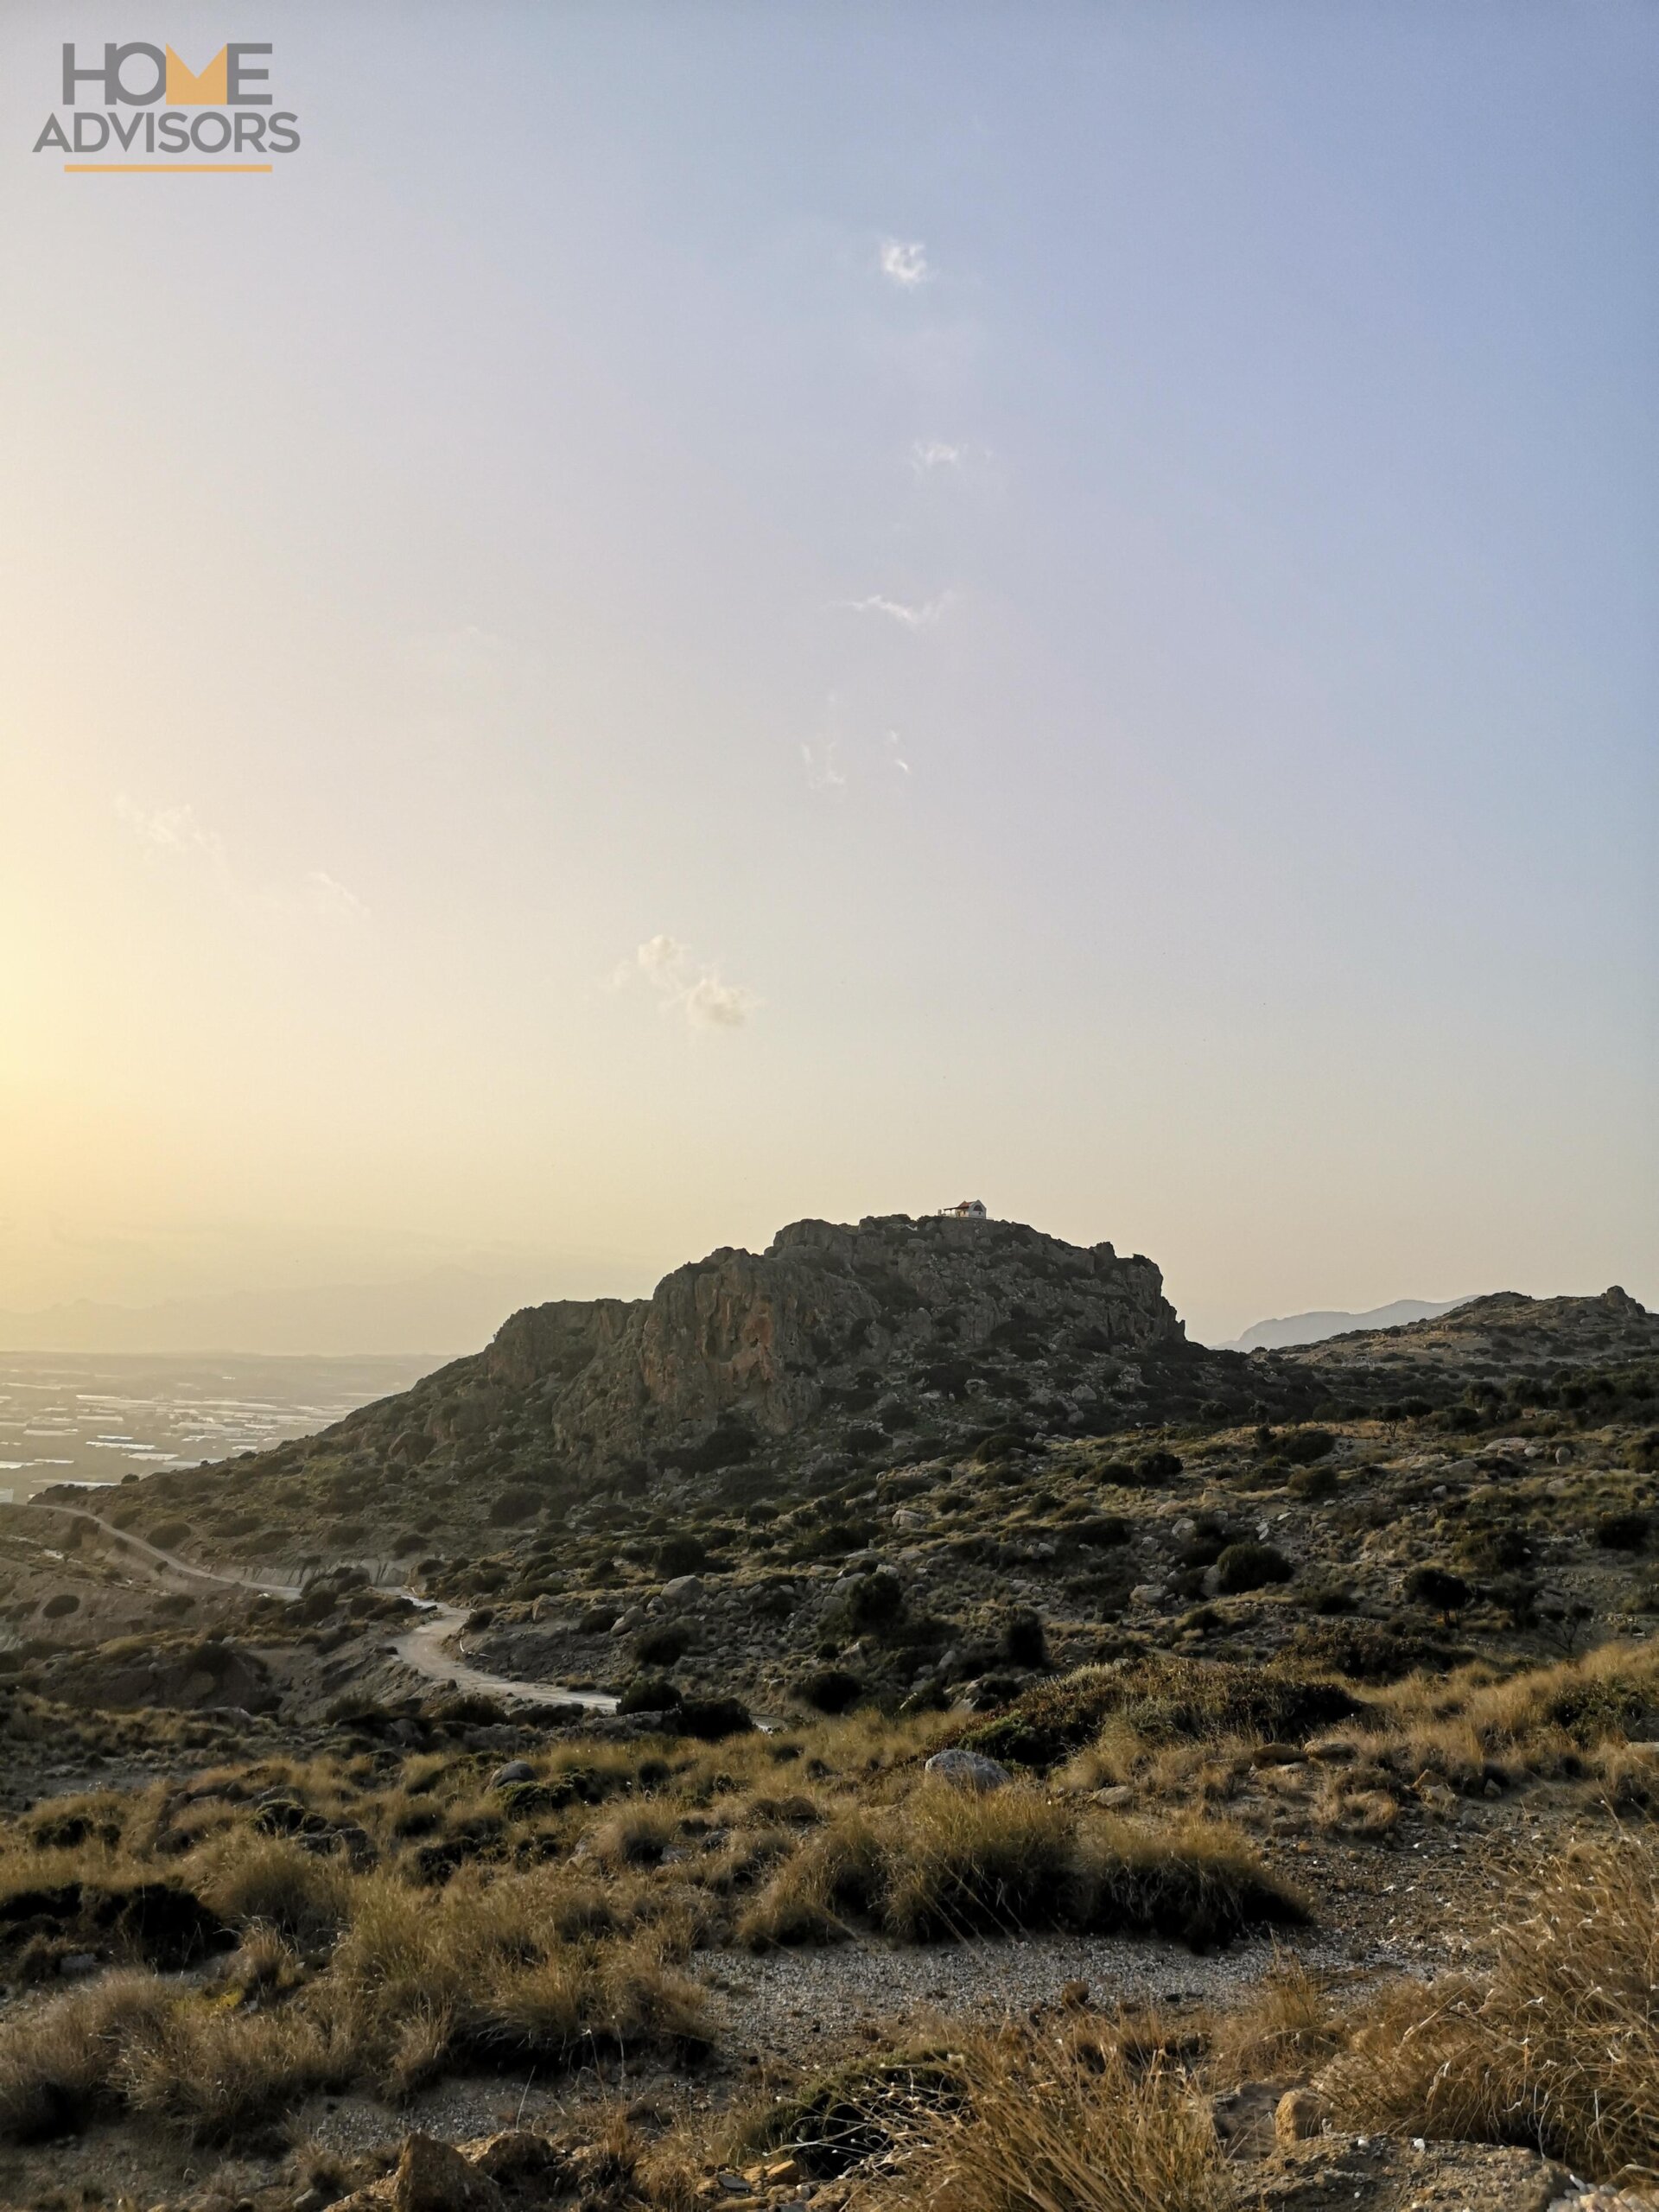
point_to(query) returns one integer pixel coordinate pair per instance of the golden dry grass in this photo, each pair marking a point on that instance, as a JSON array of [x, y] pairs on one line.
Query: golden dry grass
[[947, 1863], [1054, 2125], [1560, 2050]]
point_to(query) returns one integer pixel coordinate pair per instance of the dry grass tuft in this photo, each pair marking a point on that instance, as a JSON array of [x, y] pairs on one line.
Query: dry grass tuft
[[1560, 2051], [948, 1863], [1059, 2126]]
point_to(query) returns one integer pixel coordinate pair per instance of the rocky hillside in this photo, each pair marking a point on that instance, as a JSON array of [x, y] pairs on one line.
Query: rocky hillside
[[766, 1341], [1483, 1347], [815, 1354], [752, 1388]]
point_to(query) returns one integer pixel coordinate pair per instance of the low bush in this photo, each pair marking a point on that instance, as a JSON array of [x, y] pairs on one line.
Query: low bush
[[1312, 1483], [1623, 1532], [1251, 1566], [1366, 1651], [649, 1694], [1104, 1530], [1025, 1640], [1162, 1699], [681, 1553], [1302, 1446], [1438, 1588], [513, 1506], [662, 1647], [832, 1689]]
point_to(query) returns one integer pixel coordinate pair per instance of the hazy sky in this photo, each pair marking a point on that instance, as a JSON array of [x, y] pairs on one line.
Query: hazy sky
[[701, 613]]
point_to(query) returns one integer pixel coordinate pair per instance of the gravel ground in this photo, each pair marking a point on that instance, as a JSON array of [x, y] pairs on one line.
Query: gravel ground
[[802, 2004]]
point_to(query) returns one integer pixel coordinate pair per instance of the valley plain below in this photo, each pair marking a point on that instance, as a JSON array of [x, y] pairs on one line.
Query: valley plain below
[[885, 1721]]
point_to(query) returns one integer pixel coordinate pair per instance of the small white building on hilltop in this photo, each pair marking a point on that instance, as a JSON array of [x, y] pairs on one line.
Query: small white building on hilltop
[[964, 1210]]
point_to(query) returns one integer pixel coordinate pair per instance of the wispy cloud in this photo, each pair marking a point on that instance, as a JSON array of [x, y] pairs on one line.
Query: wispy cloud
[[685, 987], [171, 829], [823, 770], [926, 454], [894, 755], [177, 835], [908, 618], [327, 896], [904, 262]]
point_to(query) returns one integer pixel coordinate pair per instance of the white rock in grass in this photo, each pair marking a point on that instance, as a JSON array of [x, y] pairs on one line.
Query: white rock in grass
[[967, 1770]]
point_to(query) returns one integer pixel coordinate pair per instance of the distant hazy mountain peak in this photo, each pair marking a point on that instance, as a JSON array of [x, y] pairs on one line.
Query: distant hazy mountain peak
[[1314, 1328]]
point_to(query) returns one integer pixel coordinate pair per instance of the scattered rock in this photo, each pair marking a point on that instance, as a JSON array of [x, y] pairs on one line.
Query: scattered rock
[[967, 1770], [433, 2177], [1299, 2114], [1384, 2173]]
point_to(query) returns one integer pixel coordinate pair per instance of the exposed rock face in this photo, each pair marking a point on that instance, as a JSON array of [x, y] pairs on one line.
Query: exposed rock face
[[762, 1335]]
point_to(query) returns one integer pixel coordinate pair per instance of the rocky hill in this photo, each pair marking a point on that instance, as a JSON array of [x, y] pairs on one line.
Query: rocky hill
[[818, 1353], [837, 1357], [1482, 1348]]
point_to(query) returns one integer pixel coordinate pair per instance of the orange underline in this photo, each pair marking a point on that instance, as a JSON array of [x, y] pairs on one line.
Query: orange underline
[[166, 168]]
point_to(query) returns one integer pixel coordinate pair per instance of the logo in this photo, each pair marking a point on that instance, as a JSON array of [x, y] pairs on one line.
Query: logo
[[110, 107]]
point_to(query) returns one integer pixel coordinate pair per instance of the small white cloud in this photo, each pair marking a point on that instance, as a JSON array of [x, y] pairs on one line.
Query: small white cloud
[[685, 987], [908, 618], [710, 1004], [823, 770], [663, 956], [894, 755], [904, 262], [927, 454]]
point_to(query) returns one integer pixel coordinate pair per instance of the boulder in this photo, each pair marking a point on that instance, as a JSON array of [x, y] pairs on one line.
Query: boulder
[[966, 1769], [433, 2177]]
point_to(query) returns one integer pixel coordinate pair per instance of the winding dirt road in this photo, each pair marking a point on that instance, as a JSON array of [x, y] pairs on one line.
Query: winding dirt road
[[423, 1649]]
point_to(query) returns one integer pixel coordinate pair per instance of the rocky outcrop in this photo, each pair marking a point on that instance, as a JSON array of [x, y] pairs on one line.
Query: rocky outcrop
[[762, 1335]]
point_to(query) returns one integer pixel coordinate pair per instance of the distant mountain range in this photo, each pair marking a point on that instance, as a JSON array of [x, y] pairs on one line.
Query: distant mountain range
[[1314, 1328]]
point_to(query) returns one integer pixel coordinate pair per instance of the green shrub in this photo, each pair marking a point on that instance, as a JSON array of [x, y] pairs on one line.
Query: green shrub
[[711, 1719], [513, 1506], [1025, 1641], [649, 1694], [1302, 1446], [832, 1689], [1102, 1530], [662, 1647], [1312, 1483], [875, 1600], [681, 1553], [1623, 1532], [1251, 1566], [1437, 1587]]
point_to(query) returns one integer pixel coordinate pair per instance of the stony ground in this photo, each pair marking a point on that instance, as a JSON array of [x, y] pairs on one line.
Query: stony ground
[[1445, 1516]]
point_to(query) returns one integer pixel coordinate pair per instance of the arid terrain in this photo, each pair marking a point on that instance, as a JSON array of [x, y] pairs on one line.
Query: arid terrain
[[885, 1721]]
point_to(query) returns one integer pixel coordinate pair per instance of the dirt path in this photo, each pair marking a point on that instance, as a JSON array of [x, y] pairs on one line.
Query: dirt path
[[423, 1649], [139, 1549]]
